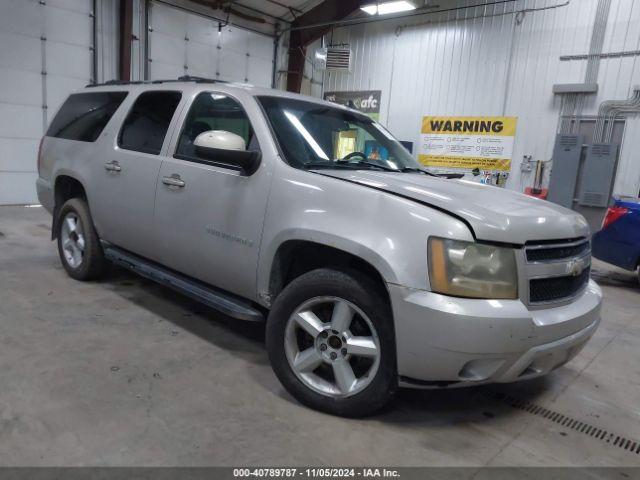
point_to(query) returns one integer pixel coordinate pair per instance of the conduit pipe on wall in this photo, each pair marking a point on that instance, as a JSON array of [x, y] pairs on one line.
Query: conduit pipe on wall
[[612, 109], [597, 40], [572, 104]]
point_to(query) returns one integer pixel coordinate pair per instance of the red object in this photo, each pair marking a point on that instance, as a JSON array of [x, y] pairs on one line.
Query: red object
[[537, 192], [613, 214]]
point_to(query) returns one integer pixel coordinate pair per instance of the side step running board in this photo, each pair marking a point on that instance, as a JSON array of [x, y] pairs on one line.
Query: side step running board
[[223, 302]]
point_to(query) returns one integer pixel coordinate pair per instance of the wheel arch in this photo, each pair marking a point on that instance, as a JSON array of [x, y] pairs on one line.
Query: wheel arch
[[295, 257], [65, 187]]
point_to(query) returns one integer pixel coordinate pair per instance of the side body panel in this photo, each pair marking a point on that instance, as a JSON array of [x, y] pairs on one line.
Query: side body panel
[[211, 227], [63, 157], [387, 231], [122, 202]]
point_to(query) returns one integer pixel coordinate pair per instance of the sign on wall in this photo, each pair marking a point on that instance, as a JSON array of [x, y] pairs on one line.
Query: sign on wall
[[367, 101], [485, 143]]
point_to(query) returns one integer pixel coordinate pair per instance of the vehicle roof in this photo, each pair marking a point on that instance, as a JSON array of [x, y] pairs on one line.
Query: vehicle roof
[[197, 86]]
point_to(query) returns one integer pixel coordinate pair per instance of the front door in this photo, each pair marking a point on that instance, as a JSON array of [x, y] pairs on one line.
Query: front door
[[125, 179], [208, 215]]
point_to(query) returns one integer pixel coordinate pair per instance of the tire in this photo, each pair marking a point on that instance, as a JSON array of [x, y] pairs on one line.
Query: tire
[[366, 347], [78, 244]]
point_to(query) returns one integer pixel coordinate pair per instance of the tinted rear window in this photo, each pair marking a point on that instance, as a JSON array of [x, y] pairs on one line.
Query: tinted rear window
[[148, 121], [84, 115]]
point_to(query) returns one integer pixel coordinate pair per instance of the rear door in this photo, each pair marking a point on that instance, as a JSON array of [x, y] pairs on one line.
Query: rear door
[[209, 216], [124, 177]]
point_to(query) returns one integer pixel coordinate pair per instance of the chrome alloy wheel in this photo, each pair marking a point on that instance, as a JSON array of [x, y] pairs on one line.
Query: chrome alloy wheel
[[72, 240], [332, 346]]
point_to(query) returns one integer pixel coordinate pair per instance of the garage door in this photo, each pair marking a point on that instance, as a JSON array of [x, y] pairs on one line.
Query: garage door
[[45, 54], [183, 43]]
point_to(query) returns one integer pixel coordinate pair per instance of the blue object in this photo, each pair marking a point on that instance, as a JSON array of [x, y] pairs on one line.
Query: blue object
[[374, 151], [618, 242]]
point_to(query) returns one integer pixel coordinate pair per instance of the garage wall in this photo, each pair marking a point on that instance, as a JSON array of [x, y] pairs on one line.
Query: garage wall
[[184, 43], [46, 51], [494, 61], [107, 39]]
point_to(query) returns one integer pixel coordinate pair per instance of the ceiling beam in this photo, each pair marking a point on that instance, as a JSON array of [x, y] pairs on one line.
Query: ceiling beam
[[286, 7], [327, 11]]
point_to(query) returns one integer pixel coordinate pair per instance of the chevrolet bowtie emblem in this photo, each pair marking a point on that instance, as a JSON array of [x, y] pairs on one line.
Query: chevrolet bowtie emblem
[[575, 267]]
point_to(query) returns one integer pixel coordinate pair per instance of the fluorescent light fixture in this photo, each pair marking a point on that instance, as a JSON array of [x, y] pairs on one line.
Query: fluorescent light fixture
[[385, 7]]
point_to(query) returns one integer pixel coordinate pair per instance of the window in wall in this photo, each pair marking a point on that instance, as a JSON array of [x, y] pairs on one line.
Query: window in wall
[[83, 116], [214, 111], [148, 121]]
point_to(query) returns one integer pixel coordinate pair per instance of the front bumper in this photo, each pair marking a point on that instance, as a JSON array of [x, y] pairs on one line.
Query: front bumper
[[446, 341]]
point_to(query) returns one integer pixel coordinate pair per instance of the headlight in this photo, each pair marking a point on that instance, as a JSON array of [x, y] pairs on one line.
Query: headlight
[[467, 269]]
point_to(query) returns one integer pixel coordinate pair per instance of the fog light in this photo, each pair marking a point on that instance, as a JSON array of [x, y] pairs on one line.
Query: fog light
[[481, 369]]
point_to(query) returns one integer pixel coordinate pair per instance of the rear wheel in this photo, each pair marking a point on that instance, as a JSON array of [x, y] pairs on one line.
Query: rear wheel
[[78, 243], [330, 341]]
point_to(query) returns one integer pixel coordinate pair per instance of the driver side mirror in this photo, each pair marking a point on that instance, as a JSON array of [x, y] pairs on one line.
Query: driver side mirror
[[227, 148]]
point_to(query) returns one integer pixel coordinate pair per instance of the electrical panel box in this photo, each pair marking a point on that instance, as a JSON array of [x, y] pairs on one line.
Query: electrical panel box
[[597, 175], [564, 170]]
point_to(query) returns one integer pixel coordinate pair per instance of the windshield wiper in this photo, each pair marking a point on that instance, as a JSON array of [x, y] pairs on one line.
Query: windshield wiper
[[419, 170], [312, 165], [367, 163]]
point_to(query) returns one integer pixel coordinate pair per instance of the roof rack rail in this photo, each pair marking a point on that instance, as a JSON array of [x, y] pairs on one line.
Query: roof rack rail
[[184, 78], [191, 78], [114, 82]]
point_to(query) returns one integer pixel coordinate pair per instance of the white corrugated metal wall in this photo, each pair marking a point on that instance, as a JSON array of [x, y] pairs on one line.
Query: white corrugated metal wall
[[494, 61], [46, 51]]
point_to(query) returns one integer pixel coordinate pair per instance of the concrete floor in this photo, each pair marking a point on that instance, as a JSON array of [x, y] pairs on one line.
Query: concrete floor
[[125, 372]]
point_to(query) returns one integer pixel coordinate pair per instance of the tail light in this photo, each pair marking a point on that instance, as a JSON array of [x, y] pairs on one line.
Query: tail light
[[613, 214], [40, 157]]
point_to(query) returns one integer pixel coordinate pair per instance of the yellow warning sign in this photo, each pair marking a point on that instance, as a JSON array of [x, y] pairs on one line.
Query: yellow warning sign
[[501, 165], [485, 143]]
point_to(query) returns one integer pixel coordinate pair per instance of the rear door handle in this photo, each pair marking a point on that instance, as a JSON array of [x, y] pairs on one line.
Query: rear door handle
[[112, 166], [173, 181]]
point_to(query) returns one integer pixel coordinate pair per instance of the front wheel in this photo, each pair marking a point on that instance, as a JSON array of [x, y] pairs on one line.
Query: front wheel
[[331, 342]]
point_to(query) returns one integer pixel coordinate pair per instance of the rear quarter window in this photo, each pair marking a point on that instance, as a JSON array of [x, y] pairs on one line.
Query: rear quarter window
[[147, 123], [83, 116]]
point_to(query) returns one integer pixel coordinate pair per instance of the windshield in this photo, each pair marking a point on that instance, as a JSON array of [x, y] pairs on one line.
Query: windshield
[[317, 136]]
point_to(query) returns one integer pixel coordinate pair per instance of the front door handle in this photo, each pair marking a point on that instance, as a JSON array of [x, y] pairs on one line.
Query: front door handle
[[112, 166], [173, 181]]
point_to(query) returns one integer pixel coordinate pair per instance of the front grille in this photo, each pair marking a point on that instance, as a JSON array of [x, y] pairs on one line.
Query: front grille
[[557, 288], [556, 252]]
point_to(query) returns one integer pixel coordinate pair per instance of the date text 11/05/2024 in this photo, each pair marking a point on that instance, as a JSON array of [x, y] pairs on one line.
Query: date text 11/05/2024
[[328, 472]]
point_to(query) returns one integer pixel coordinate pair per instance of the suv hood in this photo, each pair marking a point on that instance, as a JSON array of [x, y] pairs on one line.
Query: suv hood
[[493, 213]]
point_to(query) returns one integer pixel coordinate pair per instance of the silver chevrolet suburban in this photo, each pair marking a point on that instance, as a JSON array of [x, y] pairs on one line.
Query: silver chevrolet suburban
[[370, 271]]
